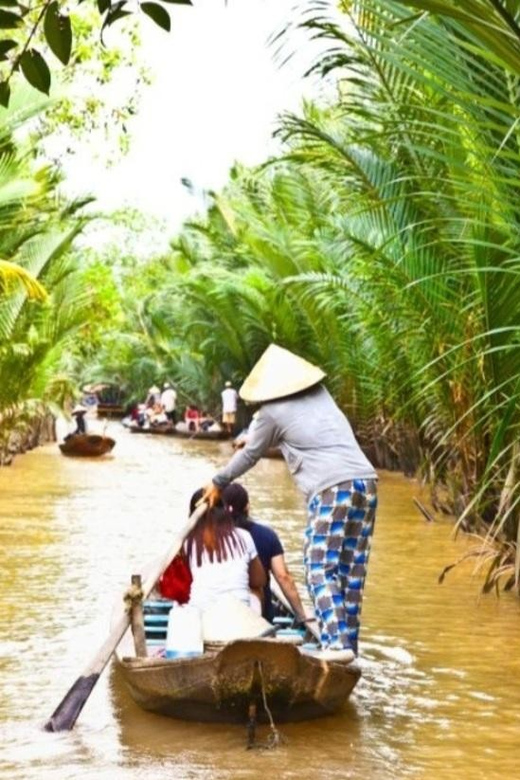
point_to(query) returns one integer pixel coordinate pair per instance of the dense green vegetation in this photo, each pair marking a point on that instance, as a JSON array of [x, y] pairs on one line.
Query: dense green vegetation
[[43, 301], [383, 244]]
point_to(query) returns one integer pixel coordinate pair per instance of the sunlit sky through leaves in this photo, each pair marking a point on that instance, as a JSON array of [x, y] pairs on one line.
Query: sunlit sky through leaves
[[217, 89]]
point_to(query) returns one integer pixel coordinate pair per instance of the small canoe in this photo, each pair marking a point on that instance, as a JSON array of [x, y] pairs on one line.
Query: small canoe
[[87, 445], [221, 685]]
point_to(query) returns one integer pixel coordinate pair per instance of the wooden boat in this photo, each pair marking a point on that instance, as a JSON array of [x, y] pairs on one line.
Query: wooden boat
[[164, 429], [167, 430], [110, 410], [221, 685], [200, 434], [87, 445]]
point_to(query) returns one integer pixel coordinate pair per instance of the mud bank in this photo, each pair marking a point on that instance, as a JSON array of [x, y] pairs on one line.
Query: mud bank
[[26, 434]]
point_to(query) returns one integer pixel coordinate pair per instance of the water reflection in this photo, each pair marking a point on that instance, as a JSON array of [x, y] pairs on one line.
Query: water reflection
[[440, 691]]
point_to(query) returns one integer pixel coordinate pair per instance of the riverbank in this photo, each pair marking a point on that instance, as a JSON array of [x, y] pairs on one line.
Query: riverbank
[[24, 432]]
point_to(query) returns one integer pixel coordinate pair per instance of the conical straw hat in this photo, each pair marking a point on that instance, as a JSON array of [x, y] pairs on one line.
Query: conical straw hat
[[277, 374]]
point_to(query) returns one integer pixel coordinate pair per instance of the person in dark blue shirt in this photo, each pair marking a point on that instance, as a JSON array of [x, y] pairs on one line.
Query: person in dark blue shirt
[[269, 547]]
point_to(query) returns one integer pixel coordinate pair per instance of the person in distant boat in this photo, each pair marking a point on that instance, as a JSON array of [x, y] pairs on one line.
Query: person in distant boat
[[157, 416], [223, 559], [270, 551], [169, 402], [153, 397], [141, 417], [192, 417], [206, 421], [78, 413], [298, 415], [229, 407]]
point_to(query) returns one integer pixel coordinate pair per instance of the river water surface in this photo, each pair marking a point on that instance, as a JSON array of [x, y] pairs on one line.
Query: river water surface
[[440, 693]]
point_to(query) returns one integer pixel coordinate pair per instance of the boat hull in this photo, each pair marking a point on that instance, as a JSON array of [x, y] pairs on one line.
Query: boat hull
[[168, 430], [87, 445], [219, 686], [157, 430], [110, 410], [200, 434]]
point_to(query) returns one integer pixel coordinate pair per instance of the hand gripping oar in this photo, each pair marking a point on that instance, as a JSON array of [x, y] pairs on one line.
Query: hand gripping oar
[[66, 713]]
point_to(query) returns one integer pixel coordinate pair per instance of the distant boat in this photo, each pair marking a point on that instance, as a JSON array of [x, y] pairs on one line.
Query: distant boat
[[202, 434], [166, 429], [110, 410], [87, 445], [163, 429]]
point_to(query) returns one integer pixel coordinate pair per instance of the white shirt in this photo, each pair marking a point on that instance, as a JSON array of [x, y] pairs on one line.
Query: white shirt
[[214, 579], [169, 399], [229, 400]]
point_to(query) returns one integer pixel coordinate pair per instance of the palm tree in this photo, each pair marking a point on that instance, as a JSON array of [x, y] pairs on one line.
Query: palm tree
[[42, 302]]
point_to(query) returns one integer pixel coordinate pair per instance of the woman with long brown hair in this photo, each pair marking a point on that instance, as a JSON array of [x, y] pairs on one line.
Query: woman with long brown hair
[[223, 558]]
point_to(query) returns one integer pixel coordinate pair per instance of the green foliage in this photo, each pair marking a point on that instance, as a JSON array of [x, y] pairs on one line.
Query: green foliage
[[58, 32], [160, 15], [87, 111], [36, 70], [43, 302], [51, 24]]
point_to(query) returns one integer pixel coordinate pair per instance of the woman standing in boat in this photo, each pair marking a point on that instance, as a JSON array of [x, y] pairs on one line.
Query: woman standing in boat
[[298, 415], [78, 413]]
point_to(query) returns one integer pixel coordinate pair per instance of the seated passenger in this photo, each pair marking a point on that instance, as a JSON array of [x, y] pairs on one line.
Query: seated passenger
[[155, 415], [222, 558], [192, 417], [206, 421], [270, 551], [159, 416]]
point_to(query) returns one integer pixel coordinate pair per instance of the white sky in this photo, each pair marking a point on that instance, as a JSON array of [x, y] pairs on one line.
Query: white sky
[[216, 94]]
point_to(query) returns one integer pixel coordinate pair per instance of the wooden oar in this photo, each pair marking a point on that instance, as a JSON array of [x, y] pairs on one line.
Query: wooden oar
[[66, 713]]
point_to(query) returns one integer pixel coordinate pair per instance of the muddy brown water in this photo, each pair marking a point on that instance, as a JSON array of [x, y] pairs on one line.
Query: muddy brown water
[[440, 693]]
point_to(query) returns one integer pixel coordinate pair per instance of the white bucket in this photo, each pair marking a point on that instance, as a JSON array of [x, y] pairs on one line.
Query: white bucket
[[184, 636]]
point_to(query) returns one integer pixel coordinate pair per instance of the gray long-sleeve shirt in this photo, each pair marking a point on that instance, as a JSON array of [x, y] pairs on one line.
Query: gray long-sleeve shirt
[[315, 438]]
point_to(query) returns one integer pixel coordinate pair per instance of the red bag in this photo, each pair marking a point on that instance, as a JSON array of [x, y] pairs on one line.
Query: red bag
[[175, 583]]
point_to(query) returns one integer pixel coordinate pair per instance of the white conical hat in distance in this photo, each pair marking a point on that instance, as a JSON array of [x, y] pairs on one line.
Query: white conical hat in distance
[[277, 374]]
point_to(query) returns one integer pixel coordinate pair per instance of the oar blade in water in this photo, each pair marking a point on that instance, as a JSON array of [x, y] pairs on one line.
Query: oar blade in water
[[67, 712]]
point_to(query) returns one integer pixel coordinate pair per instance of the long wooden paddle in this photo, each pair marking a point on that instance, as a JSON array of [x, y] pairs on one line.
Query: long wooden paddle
[[66, 713]]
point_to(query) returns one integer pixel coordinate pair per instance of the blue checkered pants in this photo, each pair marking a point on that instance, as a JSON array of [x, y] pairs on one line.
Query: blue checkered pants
[[336, 550]]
